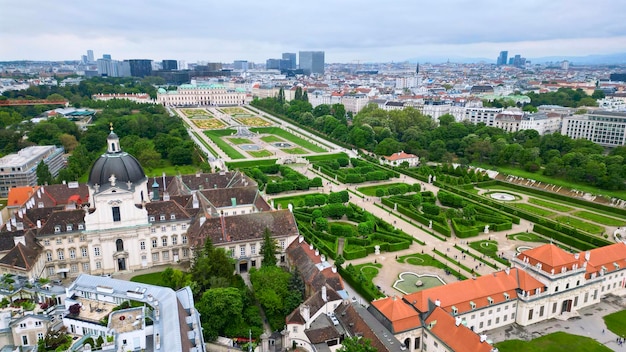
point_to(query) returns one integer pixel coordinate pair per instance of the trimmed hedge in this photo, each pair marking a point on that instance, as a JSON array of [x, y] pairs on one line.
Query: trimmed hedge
[[368, 291], [565, 239]]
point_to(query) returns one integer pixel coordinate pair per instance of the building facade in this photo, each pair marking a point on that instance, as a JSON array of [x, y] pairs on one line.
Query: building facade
[[194, 95], [605, 128], [312, 62], [20, 169]]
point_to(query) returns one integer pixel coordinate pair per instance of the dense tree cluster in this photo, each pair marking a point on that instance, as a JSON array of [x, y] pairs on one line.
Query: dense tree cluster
[[387, 132]]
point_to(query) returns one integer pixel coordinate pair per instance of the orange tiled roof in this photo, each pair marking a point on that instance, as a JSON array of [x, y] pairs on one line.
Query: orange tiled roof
[[458, 338], [19, 195], [551, 257], [399, 156], [607, 255], [461, 294], [401, 315]]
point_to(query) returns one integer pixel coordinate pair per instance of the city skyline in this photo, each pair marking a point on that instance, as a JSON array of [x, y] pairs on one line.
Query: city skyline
[[347, 31]]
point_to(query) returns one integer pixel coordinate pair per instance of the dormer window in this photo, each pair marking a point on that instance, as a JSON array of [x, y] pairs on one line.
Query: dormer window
[[472, 305], [152, 218], [162, 217], [81, 226], [454, 310], [172, 217], [68, 227], [40, 205], [506, 296], [490, 300], [57, 229]]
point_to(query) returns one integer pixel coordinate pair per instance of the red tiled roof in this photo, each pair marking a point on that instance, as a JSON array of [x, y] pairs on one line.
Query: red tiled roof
[[460, 294], [401, 315], [607, 255], [19, 195], [457, 338], [550, 257], [400, 156]]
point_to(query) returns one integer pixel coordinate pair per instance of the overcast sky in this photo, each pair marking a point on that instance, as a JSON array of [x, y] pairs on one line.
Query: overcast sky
[[347, 30]]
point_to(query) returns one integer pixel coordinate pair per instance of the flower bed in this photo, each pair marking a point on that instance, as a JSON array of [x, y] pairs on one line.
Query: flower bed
[[234, 110], [195, 112], [252, 121], [206, 124]]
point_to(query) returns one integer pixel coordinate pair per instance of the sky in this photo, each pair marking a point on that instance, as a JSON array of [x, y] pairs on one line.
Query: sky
[[347, 30]]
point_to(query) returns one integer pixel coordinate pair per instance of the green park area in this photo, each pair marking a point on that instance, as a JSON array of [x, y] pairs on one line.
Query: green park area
[[276, 131], [616, 322], [216, 136], [155, 278], [558, 341]]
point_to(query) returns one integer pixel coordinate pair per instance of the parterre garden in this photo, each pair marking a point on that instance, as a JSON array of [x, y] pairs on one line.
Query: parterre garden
[[196, 113], [276, 178], [353, 170]]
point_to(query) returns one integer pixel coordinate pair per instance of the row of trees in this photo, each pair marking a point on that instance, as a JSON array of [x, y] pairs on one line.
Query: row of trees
[[387, 132]]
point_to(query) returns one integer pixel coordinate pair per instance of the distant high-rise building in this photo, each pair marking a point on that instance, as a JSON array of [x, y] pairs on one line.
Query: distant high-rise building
[[140, 67], [619, 77], [312, 62], [106, 56], [502, 59], [417, 69], [291, 57], [84, 59], [241, 65], [169, 65], [272, 64], [90, 58]]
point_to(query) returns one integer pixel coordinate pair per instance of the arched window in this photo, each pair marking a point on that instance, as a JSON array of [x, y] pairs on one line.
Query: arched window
[[119, 244]]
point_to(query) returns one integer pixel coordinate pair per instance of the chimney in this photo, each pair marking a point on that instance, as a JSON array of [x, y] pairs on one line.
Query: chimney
[[195, 203], [19, 239], [507, 270], [587, 255], [438, 303], [300, 239], [334, 269], [457, 321], [317, 252], [323, 258], [8, 226], [483, 338], [38, 224], [305, 312], [166, 196], [202, 220], [19, 226], [576, 255], [324, 297]]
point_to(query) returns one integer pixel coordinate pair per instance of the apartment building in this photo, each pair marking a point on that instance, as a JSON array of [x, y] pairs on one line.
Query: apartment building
[[20, 169], [605, 128]]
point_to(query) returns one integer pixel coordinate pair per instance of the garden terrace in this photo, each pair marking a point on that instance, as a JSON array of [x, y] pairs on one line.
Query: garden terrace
[[277, 178], [355, 240], [353, 170], [289, 137]]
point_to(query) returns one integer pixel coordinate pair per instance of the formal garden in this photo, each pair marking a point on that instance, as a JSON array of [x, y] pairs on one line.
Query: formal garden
[[346, 170], [276, 178], [208, 123], [203, 113]]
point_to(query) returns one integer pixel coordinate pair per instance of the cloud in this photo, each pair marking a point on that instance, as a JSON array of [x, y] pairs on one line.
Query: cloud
[[257, 30]]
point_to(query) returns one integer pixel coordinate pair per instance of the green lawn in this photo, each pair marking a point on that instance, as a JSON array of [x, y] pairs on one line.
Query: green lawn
[[616, 322], [290, 137], [558, 341], [549, 205], [370, 270], [532, 209], [216, 137], [579, 224], [238, 141], [488, 248], [555, 181], [295, 150], [249, 163], [371, 190], [151, 279], [260, 153], [422, 260], [600, 219], [526, 237], [271, 139]]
